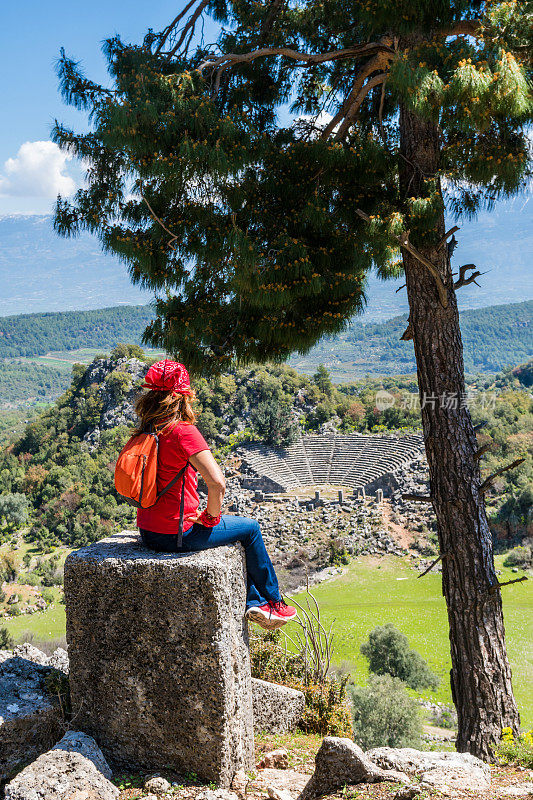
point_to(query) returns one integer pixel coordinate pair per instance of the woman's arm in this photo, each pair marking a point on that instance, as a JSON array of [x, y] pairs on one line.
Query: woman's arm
[[210, 471]]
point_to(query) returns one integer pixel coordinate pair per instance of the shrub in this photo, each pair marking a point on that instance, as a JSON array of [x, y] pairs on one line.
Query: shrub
[[29, 579], [8, 569], [6, 640], [14, 509], [515, 750], [445, 717], [384, 714], [388, 652], [48, 596], [520, 556], [326, 709]]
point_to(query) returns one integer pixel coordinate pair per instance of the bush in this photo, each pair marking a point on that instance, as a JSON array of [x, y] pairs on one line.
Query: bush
[[518, 751], [29, 579], [14, 509], [326, 708], [388, 652], [6, 640], [384, 715], [8, 569], [48, 596], [445, 717], [520, 556]]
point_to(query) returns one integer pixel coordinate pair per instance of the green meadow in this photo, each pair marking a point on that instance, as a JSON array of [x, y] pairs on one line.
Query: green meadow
[[371, 592], [374, 591]]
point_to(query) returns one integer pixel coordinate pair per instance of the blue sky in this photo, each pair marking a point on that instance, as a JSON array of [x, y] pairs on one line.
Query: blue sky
[[33, 170], [30, 38]]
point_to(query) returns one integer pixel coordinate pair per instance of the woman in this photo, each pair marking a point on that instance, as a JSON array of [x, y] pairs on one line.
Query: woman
[[166, 408]]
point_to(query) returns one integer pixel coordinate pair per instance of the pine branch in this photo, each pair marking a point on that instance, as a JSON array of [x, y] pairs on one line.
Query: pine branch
[[433, 563], [507, 583], [154, 215], [488, 481], [447, 236], [417, 498], [222, 62], [403, 239], [189, 27], [482, 450], [462, 280], [376, 80]]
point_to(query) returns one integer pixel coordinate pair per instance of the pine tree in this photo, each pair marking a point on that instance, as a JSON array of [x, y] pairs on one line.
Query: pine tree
[[257, 232]]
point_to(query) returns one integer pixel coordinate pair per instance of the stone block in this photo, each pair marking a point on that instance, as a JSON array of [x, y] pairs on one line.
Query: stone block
[[74, 769], [442, 770], [30, 719], [159, 661], [277, 709]]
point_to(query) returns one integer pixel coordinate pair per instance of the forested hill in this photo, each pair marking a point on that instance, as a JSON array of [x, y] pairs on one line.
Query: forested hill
[[37, 334], [494, 337]]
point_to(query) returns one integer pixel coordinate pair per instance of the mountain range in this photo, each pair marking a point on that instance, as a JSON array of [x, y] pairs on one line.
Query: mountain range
[[39, 271]]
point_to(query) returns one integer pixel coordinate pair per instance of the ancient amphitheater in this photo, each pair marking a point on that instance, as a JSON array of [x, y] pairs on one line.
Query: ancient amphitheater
[[353, 460]]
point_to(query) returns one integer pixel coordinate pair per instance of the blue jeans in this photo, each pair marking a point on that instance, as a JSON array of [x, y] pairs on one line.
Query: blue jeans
[[262, 584]]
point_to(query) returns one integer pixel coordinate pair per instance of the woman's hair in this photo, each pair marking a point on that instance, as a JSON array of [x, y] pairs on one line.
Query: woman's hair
[[162, 409]]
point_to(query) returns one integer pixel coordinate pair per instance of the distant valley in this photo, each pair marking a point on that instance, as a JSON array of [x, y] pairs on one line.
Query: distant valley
[[38, 350]]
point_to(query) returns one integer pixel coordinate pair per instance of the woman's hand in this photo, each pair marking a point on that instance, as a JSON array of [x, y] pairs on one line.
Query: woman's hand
[[193, 517]]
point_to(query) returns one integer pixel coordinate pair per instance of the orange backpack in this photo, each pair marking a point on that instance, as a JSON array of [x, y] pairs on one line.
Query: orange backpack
[[136, 473]]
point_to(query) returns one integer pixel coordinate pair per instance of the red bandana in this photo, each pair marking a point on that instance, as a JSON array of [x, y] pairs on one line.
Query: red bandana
[[168, 376]]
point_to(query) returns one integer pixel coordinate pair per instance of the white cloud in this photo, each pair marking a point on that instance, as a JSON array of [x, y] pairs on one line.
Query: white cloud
[[38, 170]]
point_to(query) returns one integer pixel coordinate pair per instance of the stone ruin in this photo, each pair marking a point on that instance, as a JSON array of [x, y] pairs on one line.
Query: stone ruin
[[363, 462]]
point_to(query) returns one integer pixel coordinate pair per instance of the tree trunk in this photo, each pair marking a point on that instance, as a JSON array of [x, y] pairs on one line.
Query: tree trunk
[[480, 675]]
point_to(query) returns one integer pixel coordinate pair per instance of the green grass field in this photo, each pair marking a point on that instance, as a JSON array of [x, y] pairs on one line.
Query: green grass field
[[378, 590], [374, 591]]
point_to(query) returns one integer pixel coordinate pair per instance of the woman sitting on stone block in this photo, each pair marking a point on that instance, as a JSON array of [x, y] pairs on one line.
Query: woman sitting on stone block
[[166, 409]]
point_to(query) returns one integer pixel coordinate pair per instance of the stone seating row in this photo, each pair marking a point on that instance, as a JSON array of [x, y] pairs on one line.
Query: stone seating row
[[353, 459]]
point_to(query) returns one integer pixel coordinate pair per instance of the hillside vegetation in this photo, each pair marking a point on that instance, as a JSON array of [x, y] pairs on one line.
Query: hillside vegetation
[[494, 338], [61, 468]]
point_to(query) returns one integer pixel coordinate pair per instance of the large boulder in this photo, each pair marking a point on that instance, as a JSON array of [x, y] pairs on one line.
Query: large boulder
[[30, 717], [277, 709], [441, 770], [340, 761], [75, 769], [159, 661]]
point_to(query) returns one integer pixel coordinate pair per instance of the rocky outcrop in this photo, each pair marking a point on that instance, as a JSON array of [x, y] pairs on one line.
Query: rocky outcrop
[[340, 761], [435, 770], [75, 769], [159, 662], [117, 397], [30, 718], [277, 709]]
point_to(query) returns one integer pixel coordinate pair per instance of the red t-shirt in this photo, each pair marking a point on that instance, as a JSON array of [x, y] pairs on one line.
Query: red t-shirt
[[175, 447]]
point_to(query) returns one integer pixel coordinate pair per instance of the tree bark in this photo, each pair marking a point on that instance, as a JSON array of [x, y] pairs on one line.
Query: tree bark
[[480, 675]]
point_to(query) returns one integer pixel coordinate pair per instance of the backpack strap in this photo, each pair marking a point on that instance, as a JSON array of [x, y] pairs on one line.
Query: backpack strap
[[174, 480], [169, 485]]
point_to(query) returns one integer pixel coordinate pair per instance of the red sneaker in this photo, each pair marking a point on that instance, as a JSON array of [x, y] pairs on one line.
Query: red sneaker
[[271, 615]]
